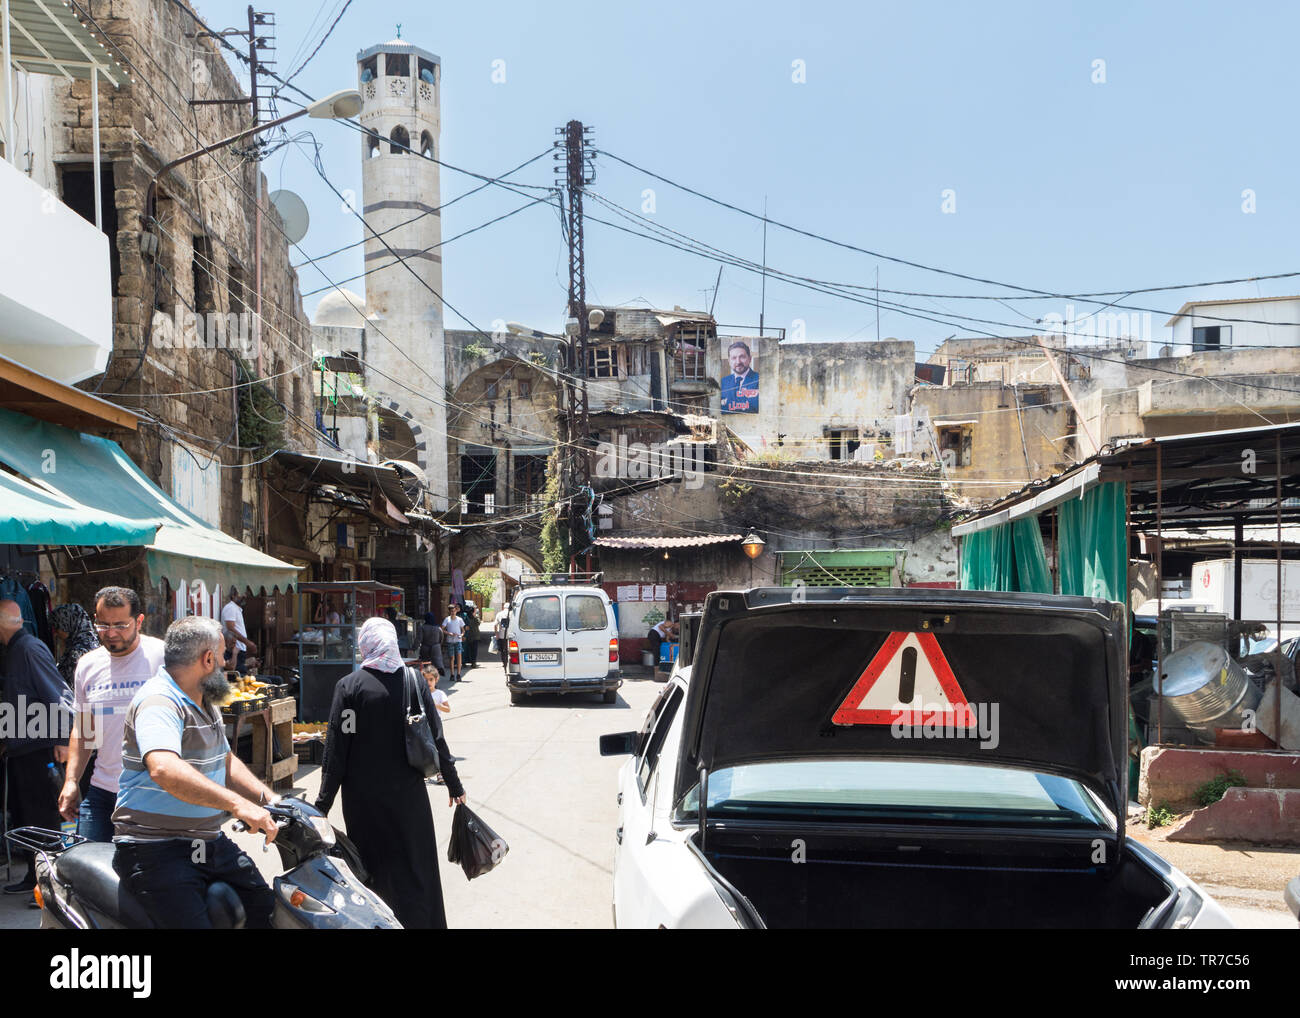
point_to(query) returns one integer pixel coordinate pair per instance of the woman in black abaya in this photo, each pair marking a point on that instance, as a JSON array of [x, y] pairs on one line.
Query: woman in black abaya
[[385, 800]]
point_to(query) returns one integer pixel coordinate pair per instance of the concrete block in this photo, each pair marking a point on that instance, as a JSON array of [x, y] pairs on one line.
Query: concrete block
[[1266, 717], [1172, 774], [1263, 816]]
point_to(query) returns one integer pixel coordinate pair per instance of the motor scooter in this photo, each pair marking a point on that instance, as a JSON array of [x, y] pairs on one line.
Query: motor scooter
[[78, 889]]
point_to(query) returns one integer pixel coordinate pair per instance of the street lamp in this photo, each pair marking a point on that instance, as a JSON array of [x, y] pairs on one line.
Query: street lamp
[[337, 106], [753, 545]]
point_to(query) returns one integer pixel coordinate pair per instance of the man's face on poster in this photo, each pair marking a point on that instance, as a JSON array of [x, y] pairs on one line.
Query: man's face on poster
[[739, 357]]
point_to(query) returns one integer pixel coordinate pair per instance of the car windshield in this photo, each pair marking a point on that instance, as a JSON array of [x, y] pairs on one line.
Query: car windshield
[[892, 789]]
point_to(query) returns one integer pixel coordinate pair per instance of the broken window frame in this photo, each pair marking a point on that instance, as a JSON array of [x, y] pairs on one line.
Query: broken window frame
[[957, 437], [602, 361]]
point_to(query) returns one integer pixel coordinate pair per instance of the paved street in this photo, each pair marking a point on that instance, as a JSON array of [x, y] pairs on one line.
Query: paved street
[[534, 774]]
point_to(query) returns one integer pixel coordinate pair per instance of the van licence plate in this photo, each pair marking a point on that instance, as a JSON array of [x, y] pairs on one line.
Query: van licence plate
[[542, 655]]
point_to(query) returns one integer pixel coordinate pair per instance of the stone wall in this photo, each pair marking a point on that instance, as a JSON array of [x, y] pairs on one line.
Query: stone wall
[[186, 390]]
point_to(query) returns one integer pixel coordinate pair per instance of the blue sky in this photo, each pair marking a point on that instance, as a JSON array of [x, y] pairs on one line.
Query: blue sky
[[1062, 184]]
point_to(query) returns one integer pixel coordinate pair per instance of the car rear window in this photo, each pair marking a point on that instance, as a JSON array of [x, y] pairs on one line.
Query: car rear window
[[540, 614], [854, 789], [584, 611]]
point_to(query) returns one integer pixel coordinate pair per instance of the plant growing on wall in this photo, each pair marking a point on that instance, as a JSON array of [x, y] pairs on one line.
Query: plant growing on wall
[[555, 537], [261, 415], [477, 349]]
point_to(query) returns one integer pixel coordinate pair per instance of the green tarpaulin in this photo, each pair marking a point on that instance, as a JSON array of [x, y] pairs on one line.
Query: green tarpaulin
[[29, 515], [1006, 557], [96, 472], [1092, 543]]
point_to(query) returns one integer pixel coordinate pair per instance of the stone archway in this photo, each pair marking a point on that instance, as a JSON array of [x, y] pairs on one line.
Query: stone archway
[[419, 446]]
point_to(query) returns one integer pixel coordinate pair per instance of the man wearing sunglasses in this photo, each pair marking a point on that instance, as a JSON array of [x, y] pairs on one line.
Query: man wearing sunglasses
[[107, 680]]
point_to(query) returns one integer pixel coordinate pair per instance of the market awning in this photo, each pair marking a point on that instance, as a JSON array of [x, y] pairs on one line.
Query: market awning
[[402, 490], [96, 472], [32, 516], [38, 395]]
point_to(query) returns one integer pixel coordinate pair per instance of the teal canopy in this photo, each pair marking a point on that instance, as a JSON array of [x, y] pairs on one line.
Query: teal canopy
[[93, 471], [32, 516], [1009, 557], [1092, 543]]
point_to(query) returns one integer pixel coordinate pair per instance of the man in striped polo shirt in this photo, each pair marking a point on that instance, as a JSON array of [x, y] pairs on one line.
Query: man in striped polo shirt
[[179, 783]]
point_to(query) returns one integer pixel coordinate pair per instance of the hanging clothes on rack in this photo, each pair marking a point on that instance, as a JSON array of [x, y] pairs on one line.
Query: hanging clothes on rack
[[40, 596], [12, 590]]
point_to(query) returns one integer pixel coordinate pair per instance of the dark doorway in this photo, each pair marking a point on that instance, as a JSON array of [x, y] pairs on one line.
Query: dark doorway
[[478, 481], [529, 482], [77, 181]]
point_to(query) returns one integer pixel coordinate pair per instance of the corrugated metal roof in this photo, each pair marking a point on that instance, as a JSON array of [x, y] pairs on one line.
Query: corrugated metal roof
[[47, 37], [667, 542]]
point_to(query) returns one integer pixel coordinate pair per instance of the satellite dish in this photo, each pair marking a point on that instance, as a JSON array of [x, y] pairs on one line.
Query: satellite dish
[[293, 210]]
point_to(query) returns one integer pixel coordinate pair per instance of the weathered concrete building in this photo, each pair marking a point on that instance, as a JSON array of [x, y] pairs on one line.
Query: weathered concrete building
[[1211, 390], [991, 438]]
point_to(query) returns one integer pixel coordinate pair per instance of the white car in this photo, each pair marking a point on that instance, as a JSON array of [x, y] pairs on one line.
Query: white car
[[891, 759], [562, 639]]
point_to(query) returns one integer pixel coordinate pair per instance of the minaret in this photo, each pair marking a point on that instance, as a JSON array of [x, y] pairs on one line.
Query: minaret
[[399, 85]]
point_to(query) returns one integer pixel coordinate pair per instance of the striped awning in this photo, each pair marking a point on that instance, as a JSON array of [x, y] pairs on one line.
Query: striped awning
[[49, 37]]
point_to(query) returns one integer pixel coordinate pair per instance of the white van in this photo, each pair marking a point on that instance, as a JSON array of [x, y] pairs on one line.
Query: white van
[[562, 639]]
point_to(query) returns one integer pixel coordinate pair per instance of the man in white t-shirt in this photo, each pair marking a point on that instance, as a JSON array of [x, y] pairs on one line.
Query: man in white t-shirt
[[106, 681], [232, 619], [454, 626]]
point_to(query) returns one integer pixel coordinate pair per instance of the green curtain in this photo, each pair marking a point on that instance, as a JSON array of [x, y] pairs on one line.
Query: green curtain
[[1092, 543], [1006, 557]]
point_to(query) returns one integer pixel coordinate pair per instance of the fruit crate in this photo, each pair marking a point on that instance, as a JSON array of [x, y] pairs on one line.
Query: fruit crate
[[238, 707], [283, 710], [310, 751]]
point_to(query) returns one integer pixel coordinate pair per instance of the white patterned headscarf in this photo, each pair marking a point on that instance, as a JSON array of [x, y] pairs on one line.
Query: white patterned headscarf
[[378, 643]]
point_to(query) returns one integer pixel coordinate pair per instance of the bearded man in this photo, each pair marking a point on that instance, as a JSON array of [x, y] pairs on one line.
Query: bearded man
[[180, 782]]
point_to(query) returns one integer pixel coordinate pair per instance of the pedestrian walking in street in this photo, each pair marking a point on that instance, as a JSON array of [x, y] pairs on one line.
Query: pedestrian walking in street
[[454, 626], [503, 630], [33, 759], [73, 625], [471, 635], [105, 683], [386, 809], [432, 639]]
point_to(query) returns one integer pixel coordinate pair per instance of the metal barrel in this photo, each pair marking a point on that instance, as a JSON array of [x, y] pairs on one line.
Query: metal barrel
[[1206, 688]]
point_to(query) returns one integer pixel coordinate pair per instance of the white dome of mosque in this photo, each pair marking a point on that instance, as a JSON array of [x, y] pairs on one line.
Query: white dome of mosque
[[341, 307]]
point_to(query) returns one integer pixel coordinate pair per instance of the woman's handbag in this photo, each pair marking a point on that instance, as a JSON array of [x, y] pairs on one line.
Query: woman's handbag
[[421, 753]]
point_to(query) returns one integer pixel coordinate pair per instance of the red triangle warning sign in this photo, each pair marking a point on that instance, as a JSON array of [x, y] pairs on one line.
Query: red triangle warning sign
[[908, 682]]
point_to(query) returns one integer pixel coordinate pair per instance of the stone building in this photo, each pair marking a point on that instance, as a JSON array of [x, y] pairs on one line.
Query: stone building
[[185, 290]]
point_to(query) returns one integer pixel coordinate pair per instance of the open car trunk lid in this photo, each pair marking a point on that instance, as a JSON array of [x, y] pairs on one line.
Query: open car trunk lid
[[1027, 681]]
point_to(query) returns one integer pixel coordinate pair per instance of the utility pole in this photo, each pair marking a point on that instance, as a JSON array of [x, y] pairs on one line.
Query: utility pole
[[575, 481]]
